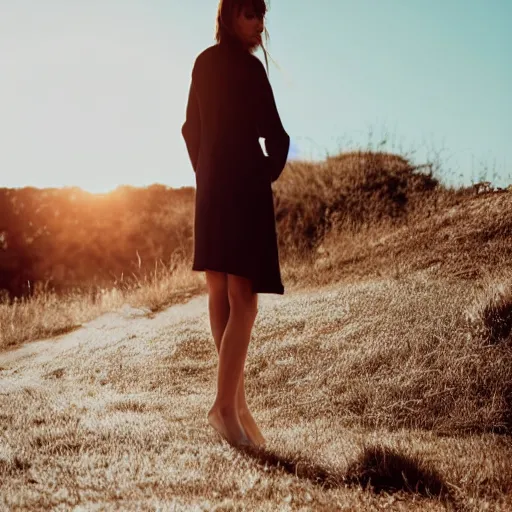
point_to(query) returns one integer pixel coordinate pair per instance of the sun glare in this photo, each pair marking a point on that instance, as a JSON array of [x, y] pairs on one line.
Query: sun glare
[[90, 106]]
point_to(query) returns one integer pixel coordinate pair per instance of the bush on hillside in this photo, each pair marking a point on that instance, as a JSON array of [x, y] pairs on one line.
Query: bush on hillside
[[347, 191]]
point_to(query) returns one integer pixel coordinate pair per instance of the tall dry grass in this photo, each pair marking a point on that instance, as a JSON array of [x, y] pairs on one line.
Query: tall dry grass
[[47, 314]]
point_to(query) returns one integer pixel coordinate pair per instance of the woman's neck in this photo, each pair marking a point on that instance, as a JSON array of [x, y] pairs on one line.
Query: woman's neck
[[234, 42]]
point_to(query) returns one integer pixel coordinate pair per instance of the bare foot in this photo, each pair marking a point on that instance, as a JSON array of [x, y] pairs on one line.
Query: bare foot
[[250, 427], [227, 424]]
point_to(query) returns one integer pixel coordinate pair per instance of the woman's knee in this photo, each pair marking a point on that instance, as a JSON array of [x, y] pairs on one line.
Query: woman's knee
[[216, 282], [240, 294]]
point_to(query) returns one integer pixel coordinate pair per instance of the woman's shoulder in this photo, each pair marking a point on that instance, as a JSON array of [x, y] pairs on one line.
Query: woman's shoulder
[[257, 64], [206, 54], [208, 59], [209, 51]]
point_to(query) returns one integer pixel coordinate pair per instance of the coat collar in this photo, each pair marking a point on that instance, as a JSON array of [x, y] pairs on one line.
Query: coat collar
[[234, 44]]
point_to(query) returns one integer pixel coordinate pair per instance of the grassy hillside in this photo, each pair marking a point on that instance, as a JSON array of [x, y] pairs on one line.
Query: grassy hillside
[[381, 379]]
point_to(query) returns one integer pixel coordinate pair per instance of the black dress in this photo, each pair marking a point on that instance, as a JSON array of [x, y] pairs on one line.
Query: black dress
[[231, 105]]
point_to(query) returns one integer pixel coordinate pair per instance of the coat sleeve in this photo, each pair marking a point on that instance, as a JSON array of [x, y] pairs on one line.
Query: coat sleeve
[[191, 129], [277, 141]]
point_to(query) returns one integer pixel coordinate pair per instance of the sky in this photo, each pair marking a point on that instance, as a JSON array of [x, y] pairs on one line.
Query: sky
[[93, 93]]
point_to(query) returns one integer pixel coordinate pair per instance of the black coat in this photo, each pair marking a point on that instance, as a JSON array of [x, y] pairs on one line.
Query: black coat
[[231, 105]]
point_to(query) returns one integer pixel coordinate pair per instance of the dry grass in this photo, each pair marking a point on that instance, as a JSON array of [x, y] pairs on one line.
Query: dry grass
[[47, 314], [492, 313], [469, 239], [350, 191], [371, 395]]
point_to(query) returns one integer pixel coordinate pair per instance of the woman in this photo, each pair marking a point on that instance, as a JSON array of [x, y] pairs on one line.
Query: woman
[[230, 106]]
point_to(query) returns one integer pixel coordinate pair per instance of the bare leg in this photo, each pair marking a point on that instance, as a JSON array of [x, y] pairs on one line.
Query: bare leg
[[218, 304], [233, 309], [246, 418]]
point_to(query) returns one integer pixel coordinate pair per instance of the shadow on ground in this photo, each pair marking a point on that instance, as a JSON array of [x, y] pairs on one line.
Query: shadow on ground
[[377, 469]]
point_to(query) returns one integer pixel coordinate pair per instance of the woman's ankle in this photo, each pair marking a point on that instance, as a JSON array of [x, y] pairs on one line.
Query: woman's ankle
[[224, 408]]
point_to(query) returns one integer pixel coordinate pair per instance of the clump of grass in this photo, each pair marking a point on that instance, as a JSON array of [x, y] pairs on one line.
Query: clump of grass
[[13, 466], [40, 316], [492, 315], [385, 469]]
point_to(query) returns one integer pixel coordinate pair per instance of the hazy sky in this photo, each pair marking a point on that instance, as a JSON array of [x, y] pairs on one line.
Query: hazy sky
[[93, 93]]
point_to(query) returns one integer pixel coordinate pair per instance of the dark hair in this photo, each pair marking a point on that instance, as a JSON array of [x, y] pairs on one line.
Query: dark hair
[[225, 14]]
